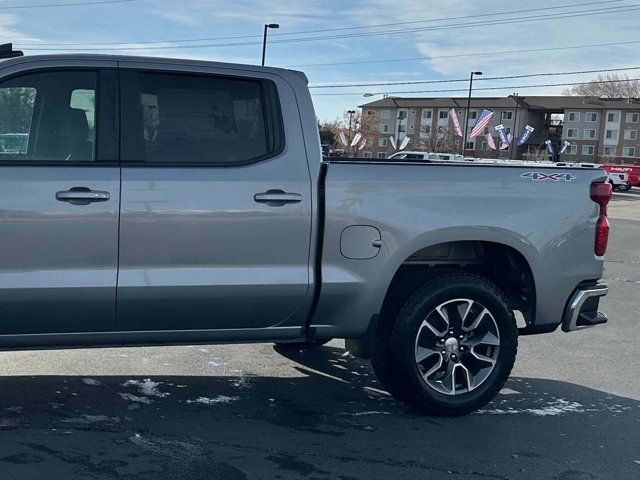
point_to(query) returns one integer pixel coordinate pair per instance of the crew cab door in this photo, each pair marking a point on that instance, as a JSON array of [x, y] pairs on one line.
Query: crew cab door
[[59, 200], [216, 205]]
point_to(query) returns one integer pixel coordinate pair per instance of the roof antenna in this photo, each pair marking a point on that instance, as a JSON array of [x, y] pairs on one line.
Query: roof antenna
[[7, 51]]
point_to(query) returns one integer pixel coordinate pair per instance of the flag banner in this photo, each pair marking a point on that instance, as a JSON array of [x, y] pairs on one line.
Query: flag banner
[[504, 146], [510, 137], [524, 136], [363, 142], [565, 146], [484, 119], [549, 147], [502, 134], [456, 123], [393, 142], [356, 139], [490, 141], [343, 138], [404, 143]]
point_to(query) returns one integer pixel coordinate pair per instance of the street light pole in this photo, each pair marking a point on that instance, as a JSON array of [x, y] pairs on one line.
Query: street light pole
[[513, 153], [264, 38], [466, 119], [350, 112]]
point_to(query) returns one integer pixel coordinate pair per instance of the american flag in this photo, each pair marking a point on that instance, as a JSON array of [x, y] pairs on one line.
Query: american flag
[[483, 121]]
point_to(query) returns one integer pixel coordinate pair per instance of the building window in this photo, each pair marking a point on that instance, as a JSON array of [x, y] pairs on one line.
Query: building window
[[612, 117], [611, 134], [383, 142], [588, 149], [370, 112], [485, 146], [609, 151], [473, 114], [382, 155], [589, 133], [572, 150], [630, 134], [385, 114], [574, 117], [591, 117], [442, 114], [402, 114], [366, 154], [427, 114], [486, 130], [507, 115], [470, 145], [384, 128], [629, 152], [632, 118], [573, 132]]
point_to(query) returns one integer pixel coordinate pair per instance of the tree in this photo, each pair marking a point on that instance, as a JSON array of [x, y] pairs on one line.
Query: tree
[[607, 86], [442, 139], [360, 123], [327, 134]]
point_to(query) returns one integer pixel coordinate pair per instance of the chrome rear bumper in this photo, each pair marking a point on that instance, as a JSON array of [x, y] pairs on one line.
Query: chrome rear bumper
[[579, 314]]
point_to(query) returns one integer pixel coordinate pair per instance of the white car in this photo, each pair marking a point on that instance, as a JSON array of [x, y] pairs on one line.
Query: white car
[[619, 181]]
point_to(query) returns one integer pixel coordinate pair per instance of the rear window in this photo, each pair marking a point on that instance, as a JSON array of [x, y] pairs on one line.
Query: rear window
[[191, 119]]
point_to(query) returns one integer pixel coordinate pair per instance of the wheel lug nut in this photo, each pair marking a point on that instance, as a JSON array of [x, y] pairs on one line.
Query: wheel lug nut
[[461, 337]]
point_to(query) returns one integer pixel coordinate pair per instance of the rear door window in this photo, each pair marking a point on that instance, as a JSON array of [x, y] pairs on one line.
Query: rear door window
[[193, 119], [48, 116]]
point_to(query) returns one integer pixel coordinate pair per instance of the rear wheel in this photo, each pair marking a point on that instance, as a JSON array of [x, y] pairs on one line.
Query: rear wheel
[[451, 347], [625, 188]]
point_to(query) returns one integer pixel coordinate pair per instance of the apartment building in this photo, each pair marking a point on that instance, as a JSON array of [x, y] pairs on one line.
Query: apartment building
[[599, 130]]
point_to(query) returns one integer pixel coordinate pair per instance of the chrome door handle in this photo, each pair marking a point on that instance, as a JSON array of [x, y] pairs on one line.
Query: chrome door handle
[[277, 198], [82, 196]]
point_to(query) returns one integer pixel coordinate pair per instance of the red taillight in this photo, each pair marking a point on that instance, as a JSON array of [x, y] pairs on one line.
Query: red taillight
[[601, 194]]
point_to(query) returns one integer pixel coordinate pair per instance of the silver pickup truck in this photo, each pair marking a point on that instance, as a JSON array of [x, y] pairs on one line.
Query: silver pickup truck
[[153, 201]]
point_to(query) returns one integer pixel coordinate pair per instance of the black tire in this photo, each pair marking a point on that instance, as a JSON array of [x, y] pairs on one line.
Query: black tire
[[626, 188], [308, 345], [396, 364]]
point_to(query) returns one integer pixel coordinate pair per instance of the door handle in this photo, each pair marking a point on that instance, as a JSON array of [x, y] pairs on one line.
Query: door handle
[[277, 198], [82, 196]]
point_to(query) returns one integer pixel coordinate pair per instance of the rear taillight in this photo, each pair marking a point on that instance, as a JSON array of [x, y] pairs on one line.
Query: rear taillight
[[601, 194]]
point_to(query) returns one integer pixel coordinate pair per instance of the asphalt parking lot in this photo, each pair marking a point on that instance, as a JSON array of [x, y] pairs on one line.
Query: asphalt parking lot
[[571, 410]]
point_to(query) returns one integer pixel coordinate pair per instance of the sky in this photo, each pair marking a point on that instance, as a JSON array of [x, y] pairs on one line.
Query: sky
[[449, 46]]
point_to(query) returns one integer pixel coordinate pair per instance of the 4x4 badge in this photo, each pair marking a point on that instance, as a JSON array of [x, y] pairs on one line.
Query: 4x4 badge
[[555, 177]]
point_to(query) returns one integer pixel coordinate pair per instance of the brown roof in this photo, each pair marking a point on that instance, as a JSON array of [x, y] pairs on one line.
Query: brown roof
[[531, 102]]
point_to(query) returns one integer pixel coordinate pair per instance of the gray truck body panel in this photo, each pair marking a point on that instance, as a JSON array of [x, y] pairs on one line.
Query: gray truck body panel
[[185, 255]]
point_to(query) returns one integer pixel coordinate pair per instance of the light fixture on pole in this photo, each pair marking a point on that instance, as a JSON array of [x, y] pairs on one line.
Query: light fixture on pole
[[264, 38], [466, 119]]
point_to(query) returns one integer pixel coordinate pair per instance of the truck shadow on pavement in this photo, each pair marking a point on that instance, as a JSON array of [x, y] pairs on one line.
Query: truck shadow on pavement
[[331, 422]]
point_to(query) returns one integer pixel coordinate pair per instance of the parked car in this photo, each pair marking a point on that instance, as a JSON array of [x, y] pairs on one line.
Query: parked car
[[619, 181], [185, 202], [632, 170]]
